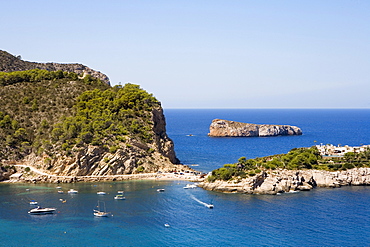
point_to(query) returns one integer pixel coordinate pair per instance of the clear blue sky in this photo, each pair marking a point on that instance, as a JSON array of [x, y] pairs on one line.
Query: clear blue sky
[[206, 53]]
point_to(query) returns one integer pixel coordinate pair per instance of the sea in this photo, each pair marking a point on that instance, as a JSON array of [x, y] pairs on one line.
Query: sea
[[321, 217]]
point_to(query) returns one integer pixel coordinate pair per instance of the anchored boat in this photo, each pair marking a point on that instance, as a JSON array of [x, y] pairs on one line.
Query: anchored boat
[[41, 210], [101, 212]]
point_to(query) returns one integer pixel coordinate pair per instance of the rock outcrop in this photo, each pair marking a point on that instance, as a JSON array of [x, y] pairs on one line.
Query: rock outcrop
[[225, 128], [10, 63], [285, 181]]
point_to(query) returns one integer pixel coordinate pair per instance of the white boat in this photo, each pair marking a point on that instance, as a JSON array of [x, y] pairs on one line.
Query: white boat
[[40, 210], [33, 202], [120, 192], [72, 191], [190, 186], [101, 212], [160, 190], [119, 197], [61, 192], [101, 193], [209, 205], [167, 225]]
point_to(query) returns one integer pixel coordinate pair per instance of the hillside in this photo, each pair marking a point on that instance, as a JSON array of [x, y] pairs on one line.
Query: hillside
[[64, 124], [10, 63]]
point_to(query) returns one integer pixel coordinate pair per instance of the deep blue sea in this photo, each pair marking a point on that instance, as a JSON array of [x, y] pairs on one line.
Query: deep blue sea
[[322, 217]]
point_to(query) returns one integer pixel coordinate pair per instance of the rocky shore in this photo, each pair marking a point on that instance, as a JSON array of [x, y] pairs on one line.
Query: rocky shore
[[225, 128], [30, 174], [283, 181]]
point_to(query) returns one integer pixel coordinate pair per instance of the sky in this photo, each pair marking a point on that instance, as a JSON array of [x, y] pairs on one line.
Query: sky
[[206, 53]]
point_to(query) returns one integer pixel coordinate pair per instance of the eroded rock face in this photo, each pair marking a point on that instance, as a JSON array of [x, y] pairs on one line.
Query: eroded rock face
[[225, 128], [281, 181]]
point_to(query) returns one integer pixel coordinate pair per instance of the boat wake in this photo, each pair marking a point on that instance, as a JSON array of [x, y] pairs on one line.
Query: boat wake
[[203, 203]]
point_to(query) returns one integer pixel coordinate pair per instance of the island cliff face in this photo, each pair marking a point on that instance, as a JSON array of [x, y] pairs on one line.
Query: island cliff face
[[225, 128], [283, 181]]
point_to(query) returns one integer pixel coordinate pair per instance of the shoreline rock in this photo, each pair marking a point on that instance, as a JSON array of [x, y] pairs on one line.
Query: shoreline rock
[[49, 178], [285, 181], [226, 128]]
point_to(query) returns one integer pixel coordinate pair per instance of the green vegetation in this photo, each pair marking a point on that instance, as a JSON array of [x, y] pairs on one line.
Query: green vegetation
[[36, 75], [140, 169], [43, 111], [296, 159], [103, 117]]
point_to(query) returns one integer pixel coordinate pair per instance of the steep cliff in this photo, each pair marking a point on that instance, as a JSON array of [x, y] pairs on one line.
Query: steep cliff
[[225, 128], [282, 181], [9, 63]]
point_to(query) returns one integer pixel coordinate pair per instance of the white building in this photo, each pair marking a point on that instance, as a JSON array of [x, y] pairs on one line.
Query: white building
[[331, 150]]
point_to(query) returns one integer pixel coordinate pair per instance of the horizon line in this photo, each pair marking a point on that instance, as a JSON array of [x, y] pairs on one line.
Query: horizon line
[[268, 108]]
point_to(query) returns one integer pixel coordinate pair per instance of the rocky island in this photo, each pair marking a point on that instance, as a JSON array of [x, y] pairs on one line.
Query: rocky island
[[62, 122], [225, 128]]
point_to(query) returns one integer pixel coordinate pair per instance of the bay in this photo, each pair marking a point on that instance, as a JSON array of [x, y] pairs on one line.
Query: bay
[[321, 217]]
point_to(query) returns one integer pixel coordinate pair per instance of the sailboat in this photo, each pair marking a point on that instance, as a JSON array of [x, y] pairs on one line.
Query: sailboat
[[101, 212]]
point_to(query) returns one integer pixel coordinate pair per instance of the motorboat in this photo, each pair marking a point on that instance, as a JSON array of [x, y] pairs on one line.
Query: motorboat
[[167, 225], [101, 212], [120, 192], [160, 190], [209, 205], [190, 186], [72, 191], [33, 202], [101, 193], [41, 210], [119, 197], [61, 192]]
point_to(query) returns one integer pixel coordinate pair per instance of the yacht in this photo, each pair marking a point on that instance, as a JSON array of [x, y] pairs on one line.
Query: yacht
[[41, 210], [101, 193], [72, 191], [160, 190], [190, 186], [119, 197], [33, 202]]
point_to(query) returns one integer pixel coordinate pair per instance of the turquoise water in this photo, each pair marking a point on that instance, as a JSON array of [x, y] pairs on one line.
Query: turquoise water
[[322, 217]]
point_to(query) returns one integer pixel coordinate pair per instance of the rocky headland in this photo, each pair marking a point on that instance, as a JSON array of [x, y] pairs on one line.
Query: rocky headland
[[10, 63], [285, 181], [60, 127], [226, 128], [96, 163]]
